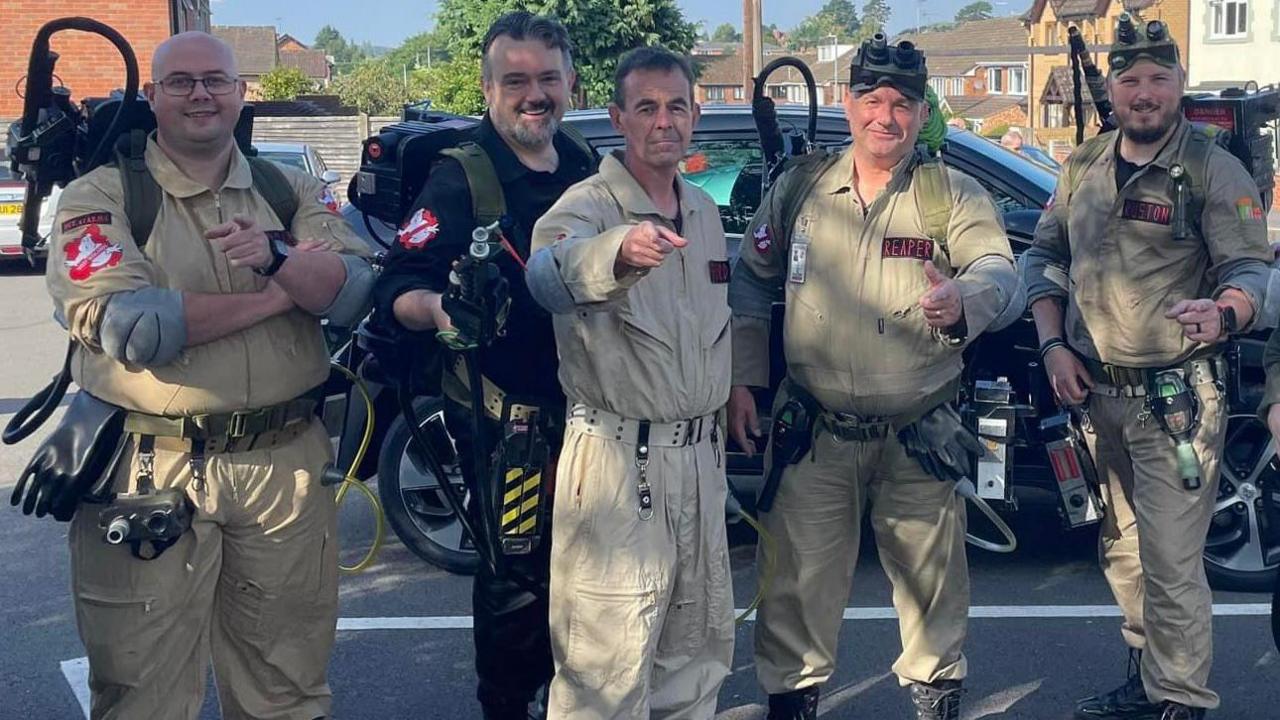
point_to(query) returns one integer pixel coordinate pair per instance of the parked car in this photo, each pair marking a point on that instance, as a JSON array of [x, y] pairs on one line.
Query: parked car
[[12, 197], [298, 155], [1243, 549]]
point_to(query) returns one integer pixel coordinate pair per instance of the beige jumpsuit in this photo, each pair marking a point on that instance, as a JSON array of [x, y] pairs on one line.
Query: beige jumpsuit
[[254, 582], [641, 608], [1111, 257], [856, 338]]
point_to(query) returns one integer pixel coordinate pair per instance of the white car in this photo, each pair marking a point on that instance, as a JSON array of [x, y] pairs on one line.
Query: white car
[[297, 155], [12, 195]]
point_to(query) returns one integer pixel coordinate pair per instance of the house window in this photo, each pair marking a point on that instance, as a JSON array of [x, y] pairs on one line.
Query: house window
[[715, 93], [737, 93], [957, 86], [1230, 18], [778, 92], [995, 79], [938, 85], [1017, 81]]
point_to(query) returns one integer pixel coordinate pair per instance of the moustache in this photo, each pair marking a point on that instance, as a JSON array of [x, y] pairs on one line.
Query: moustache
[[538, 107], [1143, 107]]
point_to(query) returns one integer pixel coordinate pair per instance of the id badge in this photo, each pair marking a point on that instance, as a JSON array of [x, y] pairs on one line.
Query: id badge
[[799, 261]]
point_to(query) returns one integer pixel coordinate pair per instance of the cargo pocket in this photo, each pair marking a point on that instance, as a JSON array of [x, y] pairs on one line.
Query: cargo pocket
[[121, 634], [610, 630], [242, 604]]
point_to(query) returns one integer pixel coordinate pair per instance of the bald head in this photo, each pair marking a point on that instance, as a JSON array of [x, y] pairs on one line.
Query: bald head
[[194, 53]]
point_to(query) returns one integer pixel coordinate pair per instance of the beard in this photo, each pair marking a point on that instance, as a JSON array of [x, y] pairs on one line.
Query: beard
[[533, 134], [1152, 134]]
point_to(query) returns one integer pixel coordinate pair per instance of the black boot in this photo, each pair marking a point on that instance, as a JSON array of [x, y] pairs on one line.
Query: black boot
[[937, 701], [1177, 711], [1127, 702], [794, 705]]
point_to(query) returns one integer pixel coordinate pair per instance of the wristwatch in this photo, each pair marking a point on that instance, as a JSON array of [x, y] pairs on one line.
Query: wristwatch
[[278, 241], [1227, 318]]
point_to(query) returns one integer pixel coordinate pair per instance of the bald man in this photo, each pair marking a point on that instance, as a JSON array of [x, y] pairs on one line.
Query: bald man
[[207, 331]]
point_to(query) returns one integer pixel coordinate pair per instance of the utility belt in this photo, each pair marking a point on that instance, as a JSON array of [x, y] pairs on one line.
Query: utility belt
[[230, 432], [643, 434], [1206, 366]]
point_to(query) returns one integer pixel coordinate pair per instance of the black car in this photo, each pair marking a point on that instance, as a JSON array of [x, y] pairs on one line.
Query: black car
[[1243, 550]]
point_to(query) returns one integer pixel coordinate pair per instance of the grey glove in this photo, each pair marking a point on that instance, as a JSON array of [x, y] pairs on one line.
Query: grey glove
[[944, 447]]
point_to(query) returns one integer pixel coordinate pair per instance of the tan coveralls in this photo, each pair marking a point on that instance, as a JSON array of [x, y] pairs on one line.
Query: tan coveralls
[[1112, 258], [641, 609], [254, 582], [857, 340]]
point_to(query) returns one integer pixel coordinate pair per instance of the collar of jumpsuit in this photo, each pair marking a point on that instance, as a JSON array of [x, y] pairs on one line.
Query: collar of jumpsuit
[[175, 182], [631, 195], [839, 182]]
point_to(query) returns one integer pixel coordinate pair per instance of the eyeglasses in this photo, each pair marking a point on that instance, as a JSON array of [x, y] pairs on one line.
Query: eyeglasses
[[184, 85]]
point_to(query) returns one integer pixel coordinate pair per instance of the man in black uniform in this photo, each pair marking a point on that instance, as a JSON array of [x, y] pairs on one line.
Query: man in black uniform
[[528, 74]]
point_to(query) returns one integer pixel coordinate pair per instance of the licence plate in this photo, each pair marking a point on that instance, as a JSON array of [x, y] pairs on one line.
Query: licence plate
[[10, 208]]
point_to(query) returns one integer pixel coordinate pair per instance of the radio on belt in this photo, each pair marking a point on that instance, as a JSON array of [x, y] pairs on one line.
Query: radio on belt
[[995, 413]]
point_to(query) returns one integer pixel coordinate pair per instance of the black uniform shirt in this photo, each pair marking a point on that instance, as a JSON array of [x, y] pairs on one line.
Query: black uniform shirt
[[438, 232]]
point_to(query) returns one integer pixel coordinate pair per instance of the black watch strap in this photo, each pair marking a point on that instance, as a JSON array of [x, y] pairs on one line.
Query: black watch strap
[[278, 241], [1227, 317]]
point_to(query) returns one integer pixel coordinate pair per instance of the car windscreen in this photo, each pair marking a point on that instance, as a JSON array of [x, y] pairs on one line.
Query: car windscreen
[[295, 160]]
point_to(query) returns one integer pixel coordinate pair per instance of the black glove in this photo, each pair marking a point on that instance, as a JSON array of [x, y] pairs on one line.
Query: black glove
[[945, 448], [77, 458]]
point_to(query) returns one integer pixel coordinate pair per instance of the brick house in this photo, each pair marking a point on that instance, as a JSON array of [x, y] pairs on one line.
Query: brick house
[[313, 63], [720, 77], [254, 47], [1050, 101], [88, 64], [980, 68]]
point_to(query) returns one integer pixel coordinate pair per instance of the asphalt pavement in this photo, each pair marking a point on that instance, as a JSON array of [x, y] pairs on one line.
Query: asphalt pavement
[[1044, 631]]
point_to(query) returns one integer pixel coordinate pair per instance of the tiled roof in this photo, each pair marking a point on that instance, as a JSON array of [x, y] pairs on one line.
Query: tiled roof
[[254, 46]]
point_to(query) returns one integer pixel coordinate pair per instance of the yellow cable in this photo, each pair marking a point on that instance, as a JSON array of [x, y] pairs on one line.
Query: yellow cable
[[350, 480], [766, 574]]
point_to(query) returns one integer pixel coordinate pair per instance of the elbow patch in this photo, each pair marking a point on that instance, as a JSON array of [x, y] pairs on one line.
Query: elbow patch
[[546, 285], [352, 302], [145, 327]]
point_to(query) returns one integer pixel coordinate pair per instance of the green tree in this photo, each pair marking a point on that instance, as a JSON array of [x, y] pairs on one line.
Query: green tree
[[420, 51], [726, 33], [454, 86], [875, 17], [601, 30], [285, 83], [344, 53], [980, 10], [837, 17], [376, 87]]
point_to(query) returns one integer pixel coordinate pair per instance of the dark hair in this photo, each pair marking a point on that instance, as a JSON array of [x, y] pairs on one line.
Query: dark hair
[[524, 25], [649, 58]]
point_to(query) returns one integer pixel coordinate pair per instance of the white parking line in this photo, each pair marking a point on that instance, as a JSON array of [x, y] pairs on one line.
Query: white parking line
[[76, 670]]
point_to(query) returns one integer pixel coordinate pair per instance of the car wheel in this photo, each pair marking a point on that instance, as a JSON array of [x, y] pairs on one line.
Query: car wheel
[[414, 502], [1242, 550]]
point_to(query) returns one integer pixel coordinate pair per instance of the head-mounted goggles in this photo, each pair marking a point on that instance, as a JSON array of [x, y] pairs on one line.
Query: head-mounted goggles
[[901, 66]]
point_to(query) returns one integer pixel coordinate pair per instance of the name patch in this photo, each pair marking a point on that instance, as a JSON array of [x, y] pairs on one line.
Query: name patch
[[917, 248], [1147, 212], [719, 271], [98, 218]]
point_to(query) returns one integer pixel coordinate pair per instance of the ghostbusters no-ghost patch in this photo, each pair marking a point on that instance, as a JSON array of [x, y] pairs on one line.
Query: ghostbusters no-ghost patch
[[89, 253], [327, 199], [421, 229], [94, 218], [763, 239]]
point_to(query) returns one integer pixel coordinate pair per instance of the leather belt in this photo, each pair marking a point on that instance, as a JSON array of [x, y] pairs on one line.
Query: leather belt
[[604, 424]]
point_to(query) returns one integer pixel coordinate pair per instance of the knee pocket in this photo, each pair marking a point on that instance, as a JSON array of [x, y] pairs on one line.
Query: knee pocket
[[610, 633]]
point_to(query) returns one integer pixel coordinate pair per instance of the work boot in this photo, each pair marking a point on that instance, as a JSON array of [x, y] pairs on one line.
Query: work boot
[[794, 705], [1177, 711], [937, 701], [1127, 702]]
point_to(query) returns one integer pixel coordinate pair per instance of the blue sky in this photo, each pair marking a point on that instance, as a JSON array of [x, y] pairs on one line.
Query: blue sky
[[387, 22]]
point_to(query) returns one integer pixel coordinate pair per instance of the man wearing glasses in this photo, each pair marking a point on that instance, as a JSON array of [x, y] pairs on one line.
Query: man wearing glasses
[[207, 332]]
